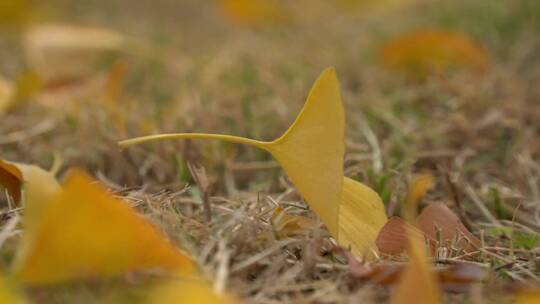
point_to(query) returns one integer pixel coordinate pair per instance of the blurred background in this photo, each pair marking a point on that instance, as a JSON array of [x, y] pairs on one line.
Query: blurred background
[[424, 83]]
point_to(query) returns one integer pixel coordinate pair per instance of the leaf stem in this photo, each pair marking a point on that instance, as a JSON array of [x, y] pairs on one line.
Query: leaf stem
[[229, 138]]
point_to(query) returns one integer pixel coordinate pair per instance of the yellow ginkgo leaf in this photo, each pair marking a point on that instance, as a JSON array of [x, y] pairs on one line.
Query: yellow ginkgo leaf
[[361, 217], [417, 189], [188, 291], [67, 52], [14, 12], [7, 292], [425, 51], [531, 296], [29, 184], [311, 153], [85, 232], [253, 12], [418, 284], [6, 94]]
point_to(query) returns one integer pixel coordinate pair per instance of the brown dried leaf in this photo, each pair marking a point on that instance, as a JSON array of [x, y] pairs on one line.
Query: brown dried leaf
[[456, 278], [392, 238], [439, 223], [459, 276]]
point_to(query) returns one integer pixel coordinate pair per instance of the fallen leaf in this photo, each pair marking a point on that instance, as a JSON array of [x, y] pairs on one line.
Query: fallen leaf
[[15, 12], [386, 274], [311, 153], [8, 294], [253, 12], [27, 85], [460, 276], [531, 296], [37, 183], [426, 51], [393, 237], [439, 225], [456, 278], [11, 179], [371, 6], [60, 51], [418, 188], [28, 184], [31, 187], [418, 284], [7, 93], [442, 225], [84, 232], [361, 217], [188, 291]]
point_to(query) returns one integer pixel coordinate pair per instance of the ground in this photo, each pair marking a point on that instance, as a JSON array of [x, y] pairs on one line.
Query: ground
[[192, 69]]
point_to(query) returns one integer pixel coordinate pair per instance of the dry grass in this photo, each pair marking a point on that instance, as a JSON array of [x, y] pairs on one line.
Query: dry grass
[[477, 134]]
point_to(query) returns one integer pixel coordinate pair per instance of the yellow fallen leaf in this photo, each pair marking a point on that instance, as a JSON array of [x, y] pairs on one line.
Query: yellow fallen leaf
[[528, 297], [361, 217], [417, 189], [311, 153], [425, 51], [36, 183], [7, 293], [61, 51], [188, 291], [6, 94], [253, 12], [14, 12], [369, 6], [418, 284], [30, 185], [84, 232]]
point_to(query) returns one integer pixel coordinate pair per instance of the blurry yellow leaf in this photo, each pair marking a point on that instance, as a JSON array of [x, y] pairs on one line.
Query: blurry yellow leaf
[[418, 187], [6, 94], [31, 186], [418, 284], [27, 84], [253, 12], [184, 291], [311, 153], [369, 6], [14, 12], [528, 297], [61, 51], [37, 185], [7, 293], [85, 232], [422, 52], [11, 179]]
